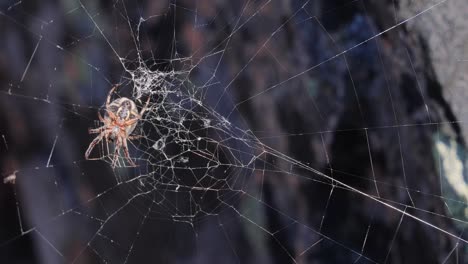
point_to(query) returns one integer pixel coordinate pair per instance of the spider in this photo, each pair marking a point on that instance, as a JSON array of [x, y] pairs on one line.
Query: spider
[[119, 122]]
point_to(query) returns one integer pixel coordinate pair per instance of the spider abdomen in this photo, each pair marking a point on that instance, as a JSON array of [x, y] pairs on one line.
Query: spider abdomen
[[125, 110]]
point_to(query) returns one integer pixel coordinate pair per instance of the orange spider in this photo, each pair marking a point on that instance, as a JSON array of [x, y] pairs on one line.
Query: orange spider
[[119, 122]]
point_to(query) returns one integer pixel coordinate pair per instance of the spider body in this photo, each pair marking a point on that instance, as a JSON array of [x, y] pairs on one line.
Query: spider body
[[124, 109], [119, 122]]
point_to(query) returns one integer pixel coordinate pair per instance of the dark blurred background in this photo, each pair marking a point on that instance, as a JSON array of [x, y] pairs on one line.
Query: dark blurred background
[[332, 84]]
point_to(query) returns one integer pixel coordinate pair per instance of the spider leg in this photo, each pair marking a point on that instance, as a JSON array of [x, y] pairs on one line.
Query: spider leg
[[100, 117], [127, 155], [110, 95], [135, 137], [116, 152], [93, 143], [96, 130], [111, 114], [130, 122]]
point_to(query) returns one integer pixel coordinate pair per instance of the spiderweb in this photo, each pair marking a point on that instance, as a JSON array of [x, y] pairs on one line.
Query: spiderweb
[[208, 180]]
